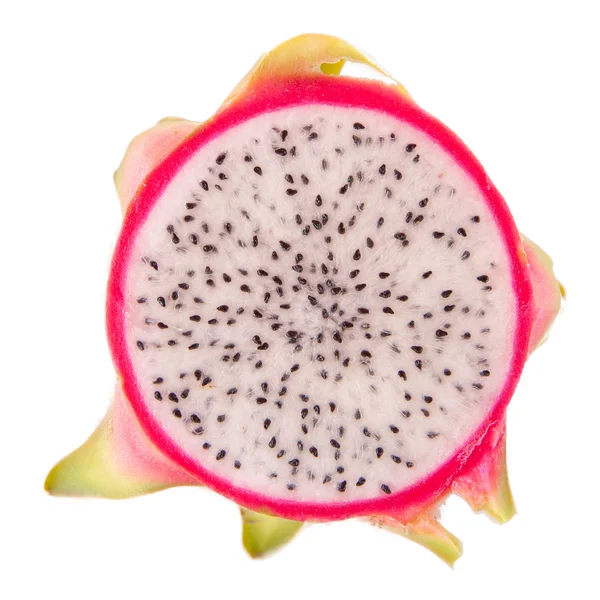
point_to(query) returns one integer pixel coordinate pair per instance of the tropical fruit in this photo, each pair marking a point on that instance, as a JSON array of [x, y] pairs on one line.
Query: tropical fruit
[[319, 306]]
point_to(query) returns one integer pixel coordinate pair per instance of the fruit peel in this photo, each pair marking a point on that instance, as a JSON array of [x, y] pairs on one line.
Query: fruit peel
[[145, 152], [263, 534], [117, 461], [426, 531], [484, 485], [548, 293], [306, 55]]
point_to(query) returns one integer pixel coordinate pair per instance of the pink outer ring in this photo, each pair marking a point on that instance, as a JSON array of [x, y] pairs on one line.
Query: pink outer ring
[[269, 97]]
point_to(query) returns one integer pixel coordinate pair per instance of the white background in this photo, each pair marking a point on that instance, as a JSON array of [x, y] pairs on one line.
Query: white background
[[517, 81]]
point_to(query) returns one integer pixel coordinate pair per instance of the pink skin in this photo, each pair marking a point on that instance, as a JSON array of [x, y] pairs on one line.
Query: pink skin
[[145, 152], [547, 293], [484, 483], [133, 454], [344, 92]]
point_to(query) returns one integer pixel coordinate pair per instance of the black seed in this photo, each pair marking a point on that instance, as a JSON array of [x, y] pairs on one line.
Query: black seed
[[441, 333], [232, 390], [370, 243], [466, 336], [475, 219], [237, 464], [417, 349], [485, 373], [426, 275], [382, 170], [438, 234], [428, 399], [261, 400], [358, 126], [258, 170], [379, 452], [341, 486], [357, 141], [344, 189], [385, 294], [267, 423], [386, 488], [410, 147], [206, 381], [449, 307], [294, 462], [209, 248], [334, 443], [465, 255], [423, 203], [221, 454], [313, 451]]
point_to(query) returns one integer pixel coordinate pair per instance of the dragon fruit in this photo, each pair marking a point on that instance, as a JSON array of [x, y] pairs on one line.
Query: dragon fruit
[[319, 306]]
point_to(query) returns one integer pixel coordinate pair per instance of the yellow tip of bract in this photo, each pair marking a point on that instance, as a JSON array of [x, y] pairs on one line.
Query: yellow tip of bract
[[501, 506], [91, 470], [263, 534], [426, 531], [310, 54]]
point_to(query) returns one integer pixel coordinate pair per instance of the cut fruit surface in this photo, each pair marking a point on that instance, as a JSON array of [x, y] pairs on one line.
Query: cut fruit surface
[[315, 291]]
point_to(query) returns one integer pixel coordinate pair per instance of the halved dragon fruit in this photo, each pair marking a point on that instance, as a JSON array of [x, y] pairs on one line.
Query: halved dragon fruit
[[319, 306]]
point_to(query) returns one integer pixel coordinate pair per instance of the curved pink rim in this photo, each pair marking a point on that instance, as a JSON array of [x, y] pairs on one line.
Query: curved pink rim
[[270, 97]]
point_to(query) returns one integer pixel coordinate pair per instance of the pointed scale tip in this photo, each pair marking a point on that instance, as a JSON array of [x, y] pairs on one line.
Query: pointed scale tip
[[262, 535], [426, 531], [117, 461]]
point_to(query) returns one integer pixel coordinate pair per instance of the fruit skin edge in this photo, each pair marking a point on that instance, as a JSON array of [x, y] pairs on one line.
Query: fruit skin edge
[[127, 463]]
